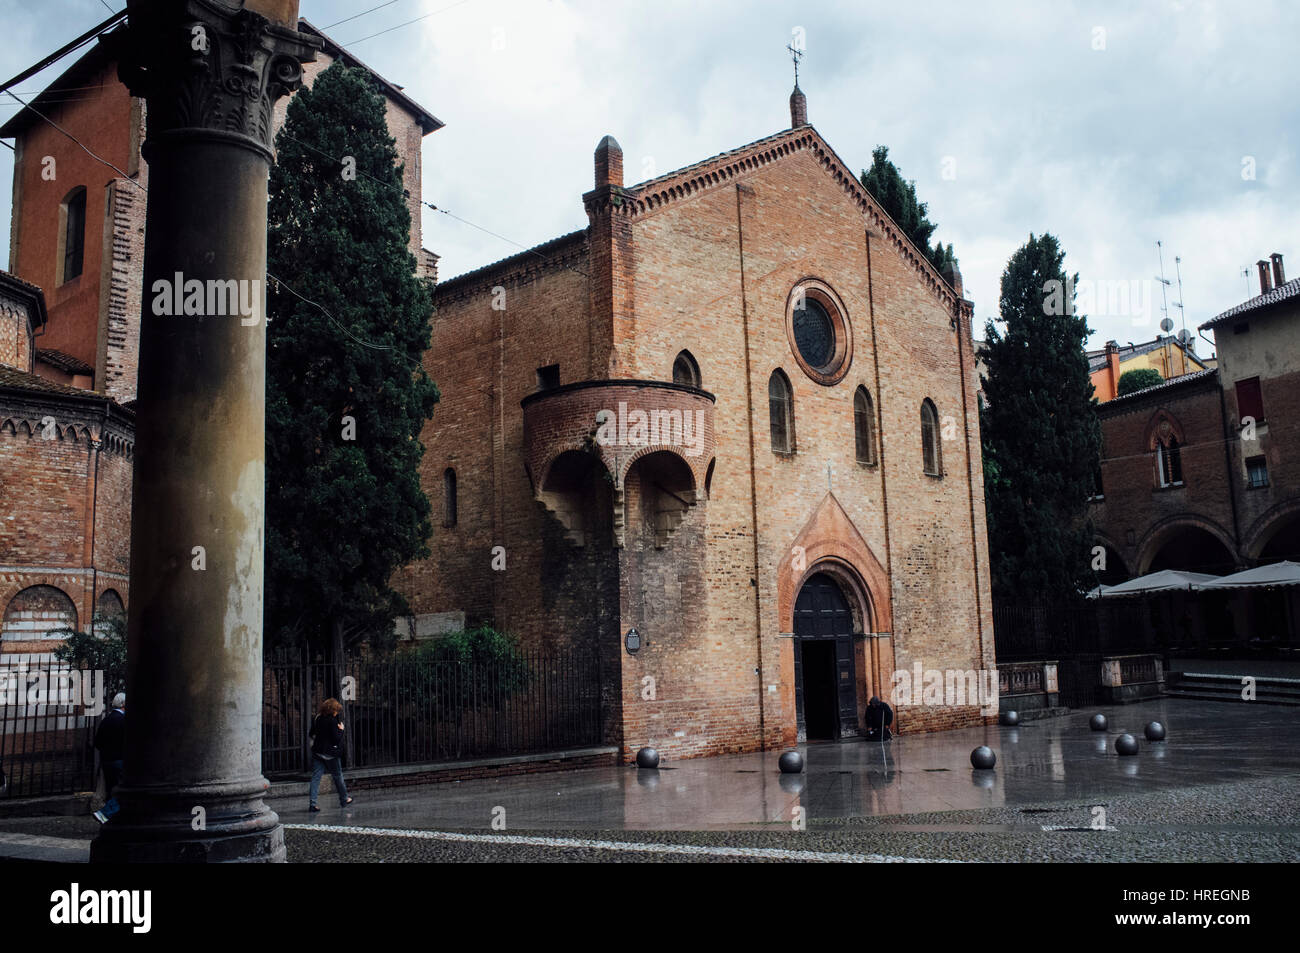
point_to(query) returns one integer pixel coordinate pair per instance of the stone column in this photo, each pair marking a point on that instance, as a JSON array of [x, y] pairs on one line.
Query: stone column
[[193, 789]]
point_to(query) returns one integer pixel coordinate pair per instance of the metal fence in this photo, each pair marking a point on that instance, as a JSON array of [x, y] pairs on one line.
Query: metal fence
[[49, 713], [401, 710], [408, 710], [1076, 636]]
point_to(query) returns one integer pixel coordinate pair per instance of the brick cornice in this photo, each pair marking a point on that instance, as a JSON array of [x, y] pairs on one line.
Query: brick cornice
[[648, 198]]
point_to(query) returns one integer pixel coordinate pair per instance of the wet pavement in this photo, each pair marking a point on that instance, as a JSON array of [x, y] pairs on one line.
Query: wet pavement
[[1042, 765], [1225, 786]]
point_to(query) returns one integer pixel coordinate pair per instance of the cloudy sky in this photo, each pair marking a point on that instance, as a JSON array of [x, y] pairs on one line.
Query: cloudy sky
[[1111, 125]]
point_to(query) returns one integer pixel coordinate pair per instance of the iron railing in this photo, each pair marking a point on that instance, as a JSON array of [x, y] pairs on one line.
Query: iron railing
[[412, 710], [402, 710], [49, 712]]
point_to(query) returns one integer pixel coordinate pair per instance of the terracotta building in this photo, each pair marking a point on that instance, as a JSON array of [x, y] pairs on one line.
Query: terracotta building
[[1166, 355], [65, 490], [1201, 472], [736, 414], [69, 334], [78, 225]]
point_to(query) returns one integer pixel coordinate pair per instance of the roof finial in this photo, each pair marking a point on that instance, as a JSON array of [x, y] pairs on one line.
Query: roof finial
[[798, 102]]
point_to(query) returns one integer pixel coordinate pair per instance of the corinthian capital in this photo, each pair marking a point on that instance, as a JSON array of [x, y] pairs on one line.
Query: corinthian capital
[[209, 68]]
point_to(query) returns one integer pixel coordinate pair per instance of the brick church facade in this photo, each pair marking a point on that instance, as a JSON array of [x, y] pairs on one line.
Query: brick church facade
[[735, 414]]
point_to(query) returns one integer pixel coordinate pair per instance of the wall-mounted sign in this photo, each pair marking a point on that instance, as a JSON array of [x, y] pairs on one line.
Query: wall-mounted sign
[[633, 641]]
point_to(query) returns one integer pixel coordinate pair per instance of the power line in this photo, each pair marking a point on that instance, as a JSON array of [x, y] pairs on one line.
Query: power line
[[64, 50], [330, 26], [77, 141], [407, 23]]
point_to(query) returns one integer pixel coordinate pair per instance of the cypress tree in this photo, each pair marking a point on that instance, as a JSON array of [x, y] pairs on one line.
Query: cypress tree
[[347, 395], [1041, 435]]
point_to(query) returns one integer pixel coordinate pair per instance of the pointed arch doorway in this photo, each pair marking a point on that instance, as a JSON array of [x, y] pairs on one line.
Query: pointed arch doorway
[[825, 683]]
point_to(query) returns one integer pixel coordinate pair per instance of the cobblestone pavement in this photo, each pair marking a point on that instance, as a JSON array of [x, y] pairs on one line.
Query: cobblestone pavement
[[1224, 787]]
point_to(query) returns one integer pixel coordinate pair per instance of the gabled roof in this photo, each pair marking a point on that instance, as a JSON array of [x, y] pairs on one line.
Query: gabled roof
[[100, 55], [428, 122], [1283, 292], [11, 378], [1097, 359], [64, 362], [69, 86], [1173, 383], [24, 290], [724, 168]]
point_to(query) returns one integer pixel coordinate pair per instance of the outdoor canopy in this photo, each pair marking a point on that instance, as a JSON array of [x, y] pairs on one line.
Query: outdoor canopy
[[1166, 580], [1285, 573]]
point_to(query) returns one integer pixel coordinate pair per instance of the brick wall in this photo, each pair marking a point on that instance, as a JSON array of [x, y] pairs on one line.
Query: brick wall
[[65, 500], [702, 578]]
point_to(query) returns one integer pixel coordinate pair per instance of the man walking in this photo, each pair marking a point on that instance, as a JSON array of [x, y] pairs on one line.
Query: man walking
[[108, 742]]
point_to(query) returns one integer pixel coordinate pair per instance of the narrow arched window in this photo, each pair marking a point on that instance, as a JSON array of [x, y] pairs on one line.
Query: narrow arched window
[[780, 404], [73, 238], [931, 459], [449, 497], [864, 426], [685, 370], [1169, 462]]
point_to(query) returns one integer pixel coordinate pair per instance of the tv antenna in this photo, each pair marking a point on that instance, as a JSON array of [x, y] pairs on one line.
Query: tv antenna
[[1164, 286], [1178, 261]]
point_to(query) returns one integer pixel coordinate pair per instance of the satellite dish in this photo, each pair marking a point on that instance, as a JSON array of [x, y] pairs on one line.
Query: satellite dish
[[1167, 325], [1183, 336]]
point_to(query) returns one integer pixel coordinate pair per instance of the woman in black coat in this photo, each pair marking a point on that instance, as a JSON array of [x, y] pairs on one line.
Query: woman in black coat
[[327, 751]]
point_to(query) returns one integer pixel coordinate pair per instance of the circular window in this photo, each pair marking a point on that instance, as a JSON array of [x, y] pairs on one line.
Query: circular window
[[819, 331], [813, 334]]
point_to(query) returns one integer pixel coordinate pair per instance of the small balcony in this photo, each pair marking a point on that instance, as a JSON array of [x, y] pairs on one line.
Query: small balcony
[[646, 445]]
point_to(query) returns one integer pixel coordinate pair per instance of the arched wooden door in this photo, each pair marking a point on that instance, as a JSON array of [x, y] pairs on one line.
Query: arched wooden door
[[825, 685]]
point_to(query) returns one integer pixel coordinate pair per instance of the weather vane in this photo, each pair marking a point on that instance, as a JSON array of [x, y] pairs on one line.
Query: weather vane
[[796, 55]]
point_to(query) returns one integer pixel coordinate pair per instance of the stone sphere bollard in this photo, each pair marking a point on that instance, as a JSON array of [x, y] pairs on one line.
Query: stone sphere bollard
[[1126, 745], [983, 758], [1098, 723], [1154, 731], [1010, 718], [647, 758], [791, 762]]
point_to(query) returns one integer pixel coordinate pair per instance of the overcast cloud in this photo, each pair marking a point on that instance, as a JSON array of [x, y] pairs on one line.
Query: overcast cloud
[[1108, 148]]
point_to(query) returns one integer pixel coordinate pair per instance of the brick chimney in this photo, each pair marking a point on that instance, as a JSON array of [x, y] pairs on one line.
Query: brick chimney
[[1279, 276], [1264, 287], [1112, 367], [609, 163], [798, 108]]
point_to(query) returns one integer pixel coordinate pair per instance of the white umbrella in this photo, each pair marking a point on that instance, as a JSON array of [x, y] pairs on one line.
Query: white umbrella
[[1285, 573], [1166, 580]]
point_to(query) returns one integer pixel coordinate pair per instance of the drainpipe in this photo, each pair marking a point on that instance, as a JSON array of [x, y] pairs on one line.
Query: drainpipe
[[1227, 455], [741, 189], [884, 480]]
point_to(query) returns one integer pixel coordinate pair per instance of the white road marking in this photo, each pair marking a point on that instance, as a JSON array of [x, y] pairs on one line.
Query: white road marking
[[757, 853]]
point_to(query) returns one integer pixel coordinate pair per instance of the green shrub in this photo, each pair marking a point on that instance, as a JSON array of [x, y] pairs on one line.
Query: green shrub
[[1138, 379], [475, 668]]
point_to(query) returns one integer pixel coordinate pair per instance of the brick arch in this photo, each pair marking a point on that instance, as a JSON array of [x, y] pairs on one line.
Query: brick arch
[[697, 470], [1158, 534], [1261, 531], [831, 541], [1155, 427]]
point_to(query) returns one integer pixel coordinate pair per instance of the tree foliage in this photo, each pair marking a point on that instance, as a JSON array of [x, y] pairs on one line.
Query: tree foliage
[[1139, 378], [897, 196], [346, 393], [1041, 436]]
